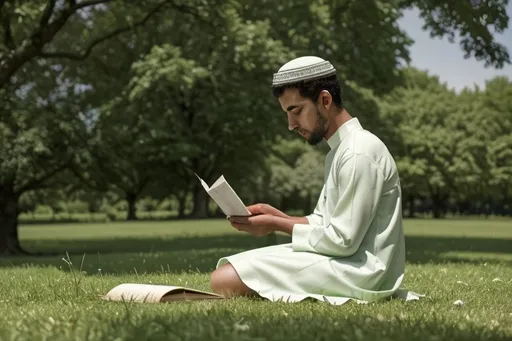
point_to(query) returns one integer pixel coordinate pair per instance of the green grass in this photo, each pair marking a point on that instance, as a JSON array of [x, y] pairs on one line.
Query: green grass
[[45, 298]]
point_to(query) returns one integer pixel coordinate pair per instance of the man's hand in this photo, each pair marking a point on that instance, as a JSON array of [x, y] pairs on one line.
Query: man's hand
[[257, 225], [264, 219], [265, 209]]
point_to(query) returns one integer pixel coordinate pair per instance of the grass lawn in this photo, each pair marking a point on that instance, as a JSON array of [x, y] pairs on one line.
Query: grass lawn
[[45, 298]]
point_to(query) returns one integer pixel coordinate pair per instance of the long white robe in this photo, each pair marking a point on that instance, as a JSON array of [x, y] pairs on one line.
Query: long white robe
[[353, 246]]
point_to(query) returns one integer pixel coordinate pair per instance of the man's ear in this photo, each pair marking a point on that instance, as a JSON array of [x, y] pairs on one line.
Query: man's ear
[[325, 99]]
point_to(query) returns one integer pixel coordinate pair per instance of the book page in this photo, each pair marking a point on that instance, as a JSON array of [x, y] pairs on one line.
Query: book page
[[139, 292], [225, 197], [228, 201], [152, 293], [219, 181], [205, 185]]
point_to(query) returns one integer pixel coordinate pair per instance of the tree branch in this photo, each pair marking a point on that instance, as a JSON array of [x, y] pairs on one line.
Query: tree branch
[[84, 4], [37, 183], [8, 38], [108, 36], [142, 185], [47, 14], [32, 46]]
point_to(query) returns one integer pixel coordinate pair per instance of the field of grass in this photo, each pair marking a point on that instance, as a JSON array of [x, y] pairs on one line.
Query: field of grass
[[56, 298]]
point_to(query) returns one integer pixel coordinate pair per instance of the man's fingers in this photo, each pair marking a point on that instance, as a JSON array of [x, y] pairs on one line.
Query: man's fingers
[[256, 209], [239, 220]]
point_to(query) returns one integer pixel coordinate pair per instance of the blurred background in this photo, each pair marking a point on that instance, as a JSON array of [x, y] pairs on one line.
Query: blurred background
[[108, 108]]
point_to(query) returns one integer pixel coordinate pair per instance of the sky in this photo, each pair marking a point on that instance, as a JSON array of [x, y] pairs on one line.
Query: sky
[[446, 60]]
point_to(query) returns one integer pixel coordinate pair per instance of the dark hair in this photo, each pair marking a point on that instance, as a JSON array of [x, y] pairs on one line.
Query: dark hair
[[311, 89]]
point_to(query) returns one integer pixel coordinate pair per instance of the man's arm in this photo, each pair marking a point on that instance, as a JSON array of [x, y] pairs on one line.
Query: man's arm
[[299, 220], [360, 183]]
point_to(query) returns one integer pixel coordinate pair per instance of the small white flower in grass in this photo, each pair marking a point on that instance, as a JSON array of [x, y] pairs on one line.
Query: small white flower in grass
[[458, 303]]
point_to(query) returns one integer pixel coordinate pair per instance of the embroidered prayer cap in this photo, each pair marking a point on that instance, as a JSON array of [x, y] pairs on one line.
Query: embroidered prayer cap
[[301, 69]]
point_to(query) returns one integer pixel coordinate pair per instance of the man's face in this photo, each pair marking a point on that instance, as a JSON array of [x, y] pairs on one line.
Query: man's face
[[304, 116]]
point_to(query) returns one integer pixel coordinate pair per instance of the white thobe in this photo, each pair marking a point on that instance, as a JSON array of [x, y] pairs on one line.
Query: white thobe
[[353, 246]]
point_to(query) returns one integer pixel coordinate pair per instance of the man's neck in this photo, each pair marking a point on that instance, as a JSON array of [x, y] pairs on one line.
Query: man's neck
[[336, 121]]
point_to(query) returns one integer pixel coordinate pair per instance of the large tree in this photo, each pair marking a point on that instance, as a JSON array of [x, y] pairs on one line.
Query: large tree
[[44, 117], [451, 149], [213, 87]]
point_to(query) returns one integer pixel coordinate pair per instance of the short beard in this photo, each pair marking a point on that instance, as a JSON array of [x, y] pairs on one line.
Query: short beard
[[317, 135]]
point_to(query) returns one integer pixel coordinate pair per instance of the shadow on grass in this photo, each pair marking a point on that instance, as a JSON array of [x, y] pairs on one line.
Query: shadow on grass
[[201, 253]]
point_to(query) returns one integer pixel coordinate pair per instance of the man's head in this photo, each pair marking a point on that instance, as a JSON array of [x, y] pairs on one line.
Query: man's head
[[309, 92]]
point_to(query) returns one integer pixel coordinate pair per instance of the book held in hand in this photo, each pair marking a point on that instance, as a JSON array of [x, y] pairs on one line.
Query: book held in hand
[[225, 197], [155, 293]]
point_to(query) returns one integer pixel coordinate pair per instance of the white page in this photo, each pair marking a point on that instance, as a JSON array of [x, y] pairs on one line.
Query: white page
[[139, 292], [220, 180], [205, 185], [226, 198], [148, 293]]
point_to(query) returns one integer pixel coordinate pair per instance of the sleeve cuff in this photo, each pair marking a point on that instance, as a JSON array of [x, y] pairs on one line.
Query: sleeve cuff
[[300, 237]]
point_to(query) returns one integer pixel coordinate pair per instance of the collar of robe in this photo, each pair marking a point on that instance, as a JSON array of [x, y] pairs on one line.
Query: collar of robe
[[343, 131]]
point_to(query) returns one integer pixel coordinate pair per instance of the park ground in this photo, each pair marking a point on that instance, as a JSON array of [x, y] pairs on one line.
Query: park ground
[[56, 297]]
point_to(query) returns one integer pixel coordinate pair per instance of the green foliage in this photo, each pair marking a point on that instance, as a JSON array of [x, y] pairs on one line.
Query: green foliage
[[473, 24], [450, 145]]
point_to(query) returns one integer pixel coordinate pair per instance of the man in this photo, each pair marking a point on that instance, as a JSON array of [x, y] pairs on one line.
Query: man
[[352, 245]]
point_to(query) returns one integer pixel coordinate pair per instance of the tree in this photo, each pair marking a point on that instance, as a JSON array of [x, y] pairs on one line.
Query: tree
[[473, 24], [44, 126], [213, 87], [31, 30], [363, 40], [425, 143]]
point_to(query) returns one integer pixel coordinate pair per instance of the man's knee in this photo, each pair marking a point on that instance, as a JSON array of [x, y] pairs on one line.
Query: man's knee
[[225, 281]]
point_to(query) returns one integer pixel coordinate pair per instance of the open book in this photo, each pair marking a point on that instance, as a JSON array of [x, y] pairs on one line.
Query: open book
[[225, 197], [154, 293]]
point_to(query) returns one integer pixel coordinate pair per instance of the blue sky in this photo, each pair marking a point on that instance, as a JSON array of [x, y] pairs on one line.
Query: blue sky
[[451, 67]]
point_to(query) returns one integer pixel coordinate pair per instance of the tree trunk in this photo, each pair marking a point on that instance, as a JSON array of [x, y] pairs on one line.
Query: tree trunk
[[411, 207], [438, 206], [131, 199], [9, 242], [182, 200], [200, 206]]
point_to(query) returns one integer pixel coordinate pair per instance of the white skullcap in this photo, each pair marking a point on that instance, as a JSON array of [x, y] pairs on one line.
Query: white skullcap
[[303, 68]]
